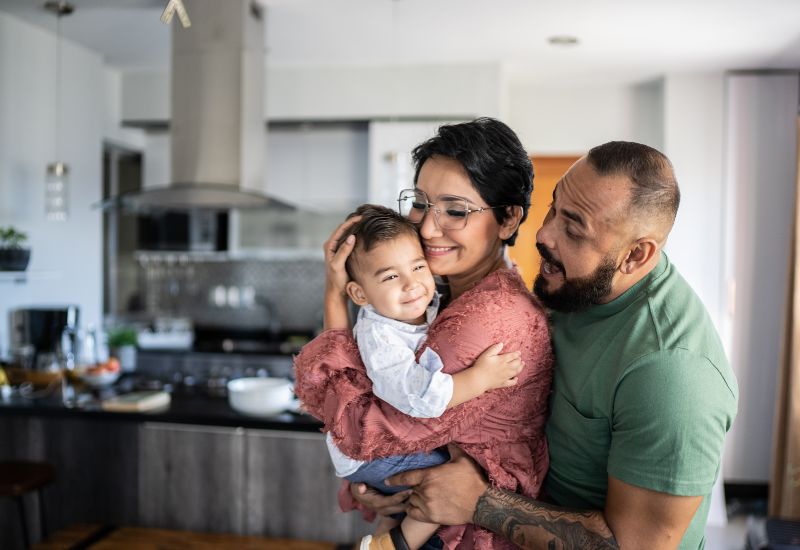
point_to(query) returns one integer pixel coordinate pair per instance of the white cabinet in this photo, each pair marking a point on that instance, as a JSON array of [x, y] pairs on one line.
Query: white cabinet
[[321, 166], [390, 165]]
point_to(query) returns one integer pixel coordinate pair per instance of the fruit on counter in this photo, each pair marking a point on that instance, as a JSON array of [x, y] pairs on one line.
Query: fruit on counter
[[5, 388], [112, 365]]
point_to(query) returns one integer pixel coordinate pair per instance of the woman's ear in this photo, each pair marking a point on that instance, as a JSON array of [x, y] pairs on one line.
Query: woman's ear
[[356, 293], [511, 223], [639, 255]]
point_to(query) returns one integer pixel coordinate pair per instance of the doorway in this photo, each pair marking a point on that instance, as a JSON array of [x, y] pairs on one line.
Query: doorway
[[122, 172], [547, 172]]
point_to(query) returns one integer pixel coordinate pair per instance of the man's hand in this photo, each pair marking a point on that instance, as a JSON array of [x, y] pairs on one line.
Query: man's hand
[[384, 505], [444, 494]]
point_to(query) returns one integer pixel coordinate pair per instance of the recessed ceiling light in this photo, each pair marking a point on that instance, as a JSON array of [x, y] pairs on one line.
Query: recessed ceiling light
[[563, 40]]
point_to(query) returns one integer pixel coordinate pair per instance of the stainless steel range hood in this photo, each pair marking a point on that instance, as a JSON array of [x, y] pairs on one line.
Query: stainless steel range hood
[[218, 130]]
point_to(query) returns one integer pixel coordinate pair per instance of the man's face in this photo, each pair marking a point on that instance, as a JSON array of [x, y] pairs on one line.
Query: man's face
[[582, 239]]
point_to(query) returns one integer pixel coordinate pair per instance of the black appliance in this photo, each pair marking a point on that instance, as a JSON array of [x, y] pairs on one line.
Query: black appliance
[[248, 342], [41, 329], [773, 534], [183, 231]]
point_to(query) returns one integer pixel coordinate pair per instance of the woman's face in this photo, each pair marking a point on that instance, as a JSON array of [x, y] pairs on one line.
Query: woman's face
[[471, 250]]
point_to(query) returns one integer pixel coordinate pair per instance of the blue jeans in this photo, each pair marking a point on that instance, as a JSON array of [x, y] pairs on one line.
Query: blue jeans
[[373, 473]]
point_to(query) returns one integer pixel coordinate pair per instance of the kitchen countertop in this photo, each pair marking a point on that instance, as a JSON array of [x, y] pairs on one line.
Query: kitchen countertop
[[185, 408]]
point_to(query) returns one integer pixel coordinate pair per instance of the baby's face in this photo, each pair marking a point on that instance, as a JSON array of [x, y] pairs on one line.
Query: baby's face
[[394, 278]]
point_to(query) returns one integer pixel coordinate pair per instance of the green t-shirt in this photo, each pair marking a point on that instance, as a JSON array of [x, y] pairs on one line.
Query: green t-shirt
[[642, 392]]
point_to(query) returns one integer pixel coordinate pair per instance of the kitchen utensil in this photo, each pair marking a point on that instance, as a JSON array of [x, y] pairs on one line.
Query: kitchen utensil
[[260, 396], [97, 380]]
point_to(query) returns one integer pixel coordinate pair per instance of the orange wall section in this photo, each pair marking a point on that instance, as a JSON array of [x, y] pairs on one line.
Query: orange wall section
[[547, 171]]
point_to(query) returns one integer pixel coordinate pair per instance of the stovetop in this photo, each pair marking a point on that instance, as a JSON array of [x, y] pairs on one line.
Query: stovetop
[[210, 340]]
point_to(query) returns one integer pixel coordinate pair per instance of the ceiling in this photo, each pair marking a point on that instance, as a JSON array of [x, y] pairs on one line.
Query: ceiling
[[620, 40]]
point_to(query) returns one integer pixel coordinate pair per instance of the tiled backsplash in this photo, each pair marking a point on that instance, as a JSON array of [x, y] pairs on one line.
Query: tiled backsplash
[[283, 291]]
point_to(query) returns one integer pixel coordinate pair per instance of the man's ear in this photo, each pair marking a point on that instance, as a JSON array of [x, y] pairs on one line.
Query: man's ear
[[639, 255], [511, 223], [356, 293]]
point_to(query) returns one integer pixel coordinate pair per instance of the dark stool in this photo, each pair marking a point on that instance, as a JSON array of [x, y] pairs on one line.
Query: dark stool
[[18, 478]]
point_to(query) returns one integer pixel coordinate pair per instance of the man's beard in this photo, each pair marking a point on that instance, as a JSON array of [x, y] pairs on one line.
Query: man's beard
[[579, 293]]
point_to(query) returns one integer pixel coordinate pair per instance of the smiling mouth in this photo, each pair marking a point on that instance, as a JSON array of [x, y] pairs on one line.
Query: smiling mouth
[[413, 301], [438, 250]]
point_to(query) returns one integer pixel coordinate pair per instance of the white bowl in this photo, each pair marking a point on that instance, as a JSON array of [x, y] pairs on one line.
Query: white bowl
[[260, 396], [99, 380]]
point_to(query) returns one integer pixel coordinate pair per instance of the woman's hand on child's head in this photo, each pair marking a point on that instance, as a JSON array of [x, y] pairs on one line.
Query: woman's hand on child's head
[[336, 254], [336, 277], [498, 370]]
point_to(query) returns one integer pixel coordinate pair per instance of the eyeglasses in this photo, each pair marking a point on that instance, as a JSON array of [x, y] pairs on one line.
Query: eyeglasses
[[449, 212]]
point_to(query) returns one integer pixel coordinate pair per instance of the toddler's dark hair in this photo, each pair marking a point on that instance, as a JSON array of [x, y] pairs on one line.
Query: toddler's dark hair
[[377, 224]]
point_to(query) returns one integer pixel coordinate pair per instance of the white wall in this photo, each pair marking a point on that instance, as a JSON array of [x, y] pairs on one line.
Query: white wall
[[68, 253], [693, 140], [570, 121], [156, 165], [130, 138], [760, 182]]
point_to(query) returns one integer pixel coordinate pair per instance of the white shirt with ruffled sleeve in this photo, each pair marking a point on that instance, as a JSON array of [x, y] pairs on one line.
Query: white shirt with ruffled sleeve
[[388, 349]]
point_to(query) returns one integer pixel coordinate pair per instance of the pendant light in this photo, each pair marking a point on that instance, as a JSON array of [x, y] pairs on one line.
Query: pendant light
[[56, 189]]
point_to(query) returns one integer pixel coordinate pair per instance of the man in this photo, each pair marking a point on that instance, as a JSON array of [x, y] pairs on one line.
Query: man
[[643, 394]]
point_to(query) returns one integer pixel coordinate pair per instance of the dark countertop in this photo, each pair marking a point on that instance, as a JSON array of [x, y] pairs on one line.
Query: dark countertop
[[185, 408]]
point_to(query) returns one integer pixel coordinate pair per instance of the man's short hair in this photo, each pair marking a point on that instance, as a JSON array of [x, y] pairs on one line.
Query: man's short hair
[[654, 189], [378, 224]]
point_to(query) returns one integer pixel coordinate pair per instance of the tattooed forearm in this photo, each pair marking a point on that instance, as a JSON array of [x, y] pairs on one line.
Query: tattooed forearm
[[532, 524]]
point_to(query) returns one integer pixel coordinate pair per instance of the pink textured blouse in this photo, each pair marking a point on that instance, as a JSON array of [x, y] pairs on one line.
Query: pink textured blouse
[[503, 430]]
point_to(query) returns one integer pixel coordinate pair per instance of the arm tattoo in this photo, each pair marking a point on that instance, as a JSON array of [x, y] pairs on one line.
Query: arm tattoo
[[530, 524]]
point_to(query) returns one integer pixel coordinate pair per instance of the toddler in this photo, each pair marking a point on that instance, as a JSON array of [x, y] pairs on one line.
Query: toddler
[[392, 283]]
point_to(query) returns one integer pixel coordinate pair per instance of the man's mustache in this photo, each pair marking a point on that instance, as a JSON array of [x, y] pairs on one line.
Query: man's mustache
[[546, 256]]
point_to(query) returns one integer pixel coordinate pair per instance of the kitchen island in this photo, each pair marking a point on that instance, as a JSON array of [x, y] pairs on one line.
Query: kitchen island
[[196, 466]]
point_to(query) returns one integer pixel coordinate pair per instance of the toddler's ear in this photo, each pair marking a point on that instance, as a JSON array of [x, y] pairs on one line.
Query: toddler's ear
[[356, 293]]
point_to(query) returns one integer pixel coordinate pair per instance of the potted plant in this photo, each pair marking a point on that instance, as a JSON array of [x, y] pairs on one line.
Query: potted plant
[[14, 255], [122, 344]]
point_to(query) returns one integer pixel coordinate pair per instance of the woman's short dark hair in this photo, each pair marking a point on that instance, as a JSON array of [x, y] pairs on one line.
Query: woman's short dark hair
[[493, 157], [377, 224]]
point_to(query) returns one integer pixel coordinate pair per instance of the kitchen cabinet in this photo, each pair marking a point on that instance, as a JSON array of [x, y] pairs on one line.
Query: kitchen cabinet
[[96, 472], [390, 166], [313, 165], [191, 477], [178, 476], [291, 489], [253, 482]]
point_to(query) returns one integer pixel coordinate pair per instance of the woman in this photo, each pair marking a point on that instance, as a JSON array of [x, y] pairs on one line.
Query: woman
[[472, 191]]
